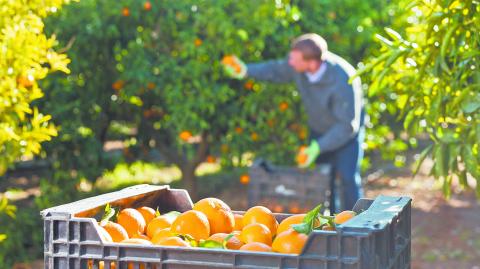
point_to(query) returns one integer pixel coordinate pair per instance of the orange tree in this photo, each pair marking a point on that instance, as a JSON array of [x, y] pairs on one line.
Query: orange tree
[[429, 70], [26, 57], [155, 66]]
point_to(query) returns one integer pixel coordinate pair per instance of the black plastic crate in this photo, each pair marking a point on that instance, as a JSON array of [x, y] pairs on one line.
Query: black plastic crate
[[379, 238], [289, 189]]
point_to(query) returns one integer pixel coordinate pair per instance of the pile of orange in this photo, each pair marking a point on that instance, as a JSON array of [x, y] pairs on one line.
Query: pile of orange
[[211, 223]]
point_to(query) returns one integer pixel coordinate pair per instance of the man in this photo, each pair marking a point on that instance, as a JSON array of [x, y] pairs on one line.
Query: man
[[333, 105]]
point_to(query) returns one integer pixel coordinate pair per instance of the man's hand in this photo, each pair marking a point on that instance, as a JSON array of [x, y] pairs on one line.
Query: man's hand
[[308, 155], [234, 67]]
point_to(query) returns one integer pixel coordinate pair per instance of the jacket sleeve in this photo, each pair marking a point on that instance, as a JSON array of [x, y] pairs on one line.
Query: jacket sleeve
[[277, 71], [344, 109]]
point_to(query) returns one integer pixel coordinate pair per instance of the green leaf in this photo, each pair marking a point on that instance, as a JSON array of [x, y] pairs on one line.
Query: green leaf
[[393, 34], [225, 241], [109, 212], [308, 222], [470, 162], [471, 106], [445, 46], [188, 238], [422, 157], [211, 244]]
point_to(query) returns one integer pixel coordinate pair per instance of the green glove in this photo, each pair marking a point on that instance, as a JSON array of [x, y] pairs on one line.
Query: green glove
[[312, 152], [234, 67]]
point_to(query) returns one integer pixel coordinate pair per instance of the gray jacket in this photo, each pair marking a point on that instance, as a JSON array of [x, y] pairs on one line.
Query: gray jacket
[[332, 104]]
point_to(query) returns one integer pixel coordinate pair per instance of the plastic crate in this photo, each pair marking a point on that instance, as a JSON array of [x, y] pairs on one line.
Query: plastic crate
[[379, 238], [289, 189]]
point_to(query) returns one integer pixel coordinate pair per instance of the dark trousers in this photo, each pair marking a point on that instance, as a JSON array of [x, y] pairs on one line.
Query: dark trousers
[[345, 163]]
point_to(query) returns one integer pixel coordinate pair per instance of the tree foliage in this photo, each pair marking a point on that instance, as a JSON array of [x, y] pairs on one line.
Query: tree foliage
[[429, 68], [156, 69], [26, 56]]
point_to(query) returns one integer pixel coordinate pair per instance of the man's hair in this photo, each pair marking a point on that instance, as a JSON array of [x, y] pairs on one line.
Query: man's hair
[[312, 46]]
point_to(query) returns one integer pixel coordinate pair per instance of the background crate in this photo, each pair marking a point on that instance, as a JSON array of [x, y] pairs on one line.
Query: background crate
[[379, 238], [288, 189]]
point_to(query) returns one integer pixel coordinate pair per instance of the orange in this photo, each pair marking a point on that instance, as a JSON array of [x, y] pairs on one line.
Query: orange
[[344, 216], [173, 241], [161, 234], [25, 82], [228, 60], [193, 223], [278, 208], [263, 215], [211, 159], [198, 42], [132, 221], [248, 85], [125, 12], [118, 85], [185, 135], [302, 133], [104, 235], [283, 106], [232, 243], [289, 242], [101, 265], [301, 156], [157, 224], [148, 213], [219, 215], [238, 130], [142, 236], [288, 222], [116, 231], [256, 246], [238, 222], [151, 85], [294, 209], [244, 179], [136, 241], [256, 232], [147, 6], [132, 266], [254, 136]]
